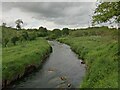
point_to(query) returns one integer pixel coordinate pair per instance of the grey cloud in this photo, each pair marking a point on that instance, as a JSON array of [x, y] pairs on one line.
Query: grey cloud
[[63, 13]]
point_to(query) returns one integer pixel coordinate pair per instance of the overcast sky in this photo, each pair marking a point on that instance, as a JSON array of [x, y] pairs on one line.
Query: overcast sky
[[48, 14]]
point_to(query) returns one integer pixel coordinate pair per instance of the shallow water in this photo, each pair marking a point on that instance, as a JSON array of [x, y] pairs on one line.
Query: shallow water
[[62, 69]]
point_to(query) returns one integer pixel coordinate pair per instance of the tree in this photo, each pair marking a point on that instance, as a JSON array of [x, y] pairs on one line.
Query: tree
[[57, 32], [65, 31], [18, 23], [43, 32], [4, 24], [107, 11], [42, 29]]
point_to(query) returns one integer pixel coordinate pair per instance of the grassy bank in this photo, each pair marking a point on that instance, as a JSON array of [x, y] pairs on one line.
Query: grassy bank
[[23, 58], [98, 47]]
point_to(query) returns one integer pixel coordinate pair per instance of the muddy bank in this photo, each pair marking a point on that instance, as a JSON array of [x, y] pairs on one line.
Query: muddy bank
[[27, 70]]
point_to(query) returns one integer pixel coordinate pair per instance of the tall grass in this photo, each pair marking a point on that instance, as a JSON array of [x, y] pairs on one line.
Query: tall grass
[[17, 58], [100, 53]]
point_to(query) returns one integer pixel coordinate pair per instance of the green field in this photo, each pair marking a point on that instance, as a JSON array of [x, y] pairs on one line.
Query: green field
[[17, 58], [98, 47]]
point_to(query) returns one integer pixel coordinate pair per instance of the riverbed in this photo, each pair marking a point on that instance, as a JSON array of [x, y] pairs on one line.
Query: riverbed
[[62, 69]]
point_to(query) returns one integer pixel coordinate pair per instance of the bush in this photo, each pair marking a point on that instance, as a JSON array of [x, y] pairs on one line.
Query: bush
[[5, 41], [65, 31], [14, 40], [32, 36], [41, 34], [51, 37], [25, 35]]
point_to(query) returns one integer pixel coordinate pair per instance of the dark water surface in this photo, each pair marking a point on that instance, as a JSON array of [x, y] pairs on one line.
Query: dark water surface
[[62, 69]]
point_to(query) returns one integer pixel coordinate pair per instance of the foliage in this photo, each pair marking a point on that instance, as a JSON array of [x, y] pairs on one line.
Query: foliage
[[57, 32], [65, 31], [32, 36], [14, 39], [99, 51], [54, 34], [3, 24], [23, 49], [11, 36], [94, 31], [18, 23], [5, 41], [25, 35], [42, 32], [107, 11], [17, 58]]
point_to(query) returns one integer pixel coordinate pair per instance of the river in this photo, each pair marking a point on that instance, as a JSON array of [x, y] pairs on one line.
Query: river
[[62, 69]]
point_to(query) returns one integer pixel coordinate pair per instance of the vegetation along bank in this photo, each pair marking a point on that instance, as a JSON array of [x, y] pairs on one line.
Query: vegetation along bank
[[23, 51], [98, 48]]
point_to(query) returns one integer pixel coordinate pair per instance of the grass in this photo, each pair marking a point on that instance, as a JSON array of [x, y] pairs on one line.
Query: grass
[[100, 53], [16, 58]]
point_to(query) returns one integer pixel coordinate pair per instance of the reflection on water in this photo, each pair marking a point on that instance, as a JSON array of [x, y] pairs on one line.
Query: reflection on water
[[61, 70]]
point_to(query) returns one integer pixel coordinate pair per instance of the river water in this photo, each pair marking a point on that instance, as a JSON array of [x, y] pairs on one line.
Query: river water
[[62, 69]]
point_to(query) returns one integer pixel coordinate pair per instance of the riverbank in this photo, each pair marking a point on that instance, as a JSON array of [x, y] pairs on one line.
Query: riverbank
[[22, 59], [99, 50], [56, 71]]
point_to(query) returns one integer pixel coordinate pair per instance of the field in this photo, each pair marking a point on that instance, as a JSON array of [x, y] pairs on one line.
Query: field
[[98, 48]]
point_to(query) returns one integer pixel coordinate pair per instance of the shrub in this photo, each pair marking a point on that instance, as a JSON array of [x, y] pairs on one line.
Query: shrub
[[32, 36], [14, 40], [5, 41], [25, 35], [65, 31]]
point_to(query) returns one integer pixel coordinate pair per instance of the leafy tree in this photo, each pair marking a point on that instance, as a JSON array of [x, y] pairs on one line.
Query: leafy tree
[[65, 31], [4, 24], [42, 29], [51, 36], [57, 32], [43, 32], [18, 23], [107, 11]]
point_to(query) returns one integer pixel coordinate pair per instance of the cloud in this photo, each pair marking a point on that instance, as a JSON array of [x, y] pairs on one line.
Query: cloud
[[49, 14]]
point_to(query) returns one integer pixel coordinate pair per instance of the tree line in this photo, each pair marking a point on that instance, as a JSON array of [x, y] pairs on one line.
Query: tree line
[[17, 35]]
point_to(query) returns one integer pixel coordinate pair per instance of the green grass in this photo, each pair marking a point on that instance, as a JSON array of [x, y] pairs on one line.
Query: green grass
[[100, 53], [0, 62], [16, 58]]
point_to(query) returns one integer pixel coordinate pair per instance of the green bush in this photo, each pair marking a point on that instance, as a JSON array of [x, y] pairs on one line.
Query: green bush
[[41, 34], [24, 35], [14, 39], [5, 41], [32, 36]]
